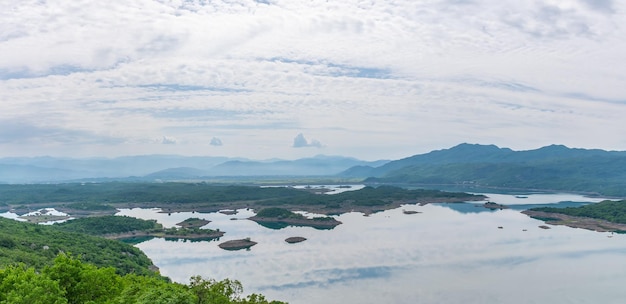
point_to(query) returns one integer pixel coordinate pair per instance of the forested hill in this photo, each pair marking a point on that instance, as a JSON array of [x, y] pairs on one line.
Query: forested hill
[[553, 167], [37, 245]]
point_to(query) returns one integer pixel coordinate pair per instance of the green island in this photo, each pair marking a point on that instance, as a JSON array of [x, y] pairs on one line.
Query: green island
[[193, 222], [275, 217], [122, 227], [603, 216], [494, 206]]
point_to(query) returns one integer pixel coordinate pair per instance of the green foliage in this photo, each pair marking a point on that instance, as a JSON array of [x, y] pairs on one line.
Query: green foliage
[[90, 207], [38, 245], [223, 292], [368, 196], [103, 225], [150, 290], [275, 212], [187, 231], [177, 195], [82, 282], [100, 194], [19, 284], [612, 211], [191, 220], [71, 281], [605, 175]]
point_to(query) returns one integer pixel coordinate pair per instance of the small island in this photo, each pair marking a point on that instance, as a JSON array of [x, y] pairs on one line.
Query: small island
[[193, 222], [281, 216], [494, 206], [237, 244], [124, 227], [295, 239], [228, 212]]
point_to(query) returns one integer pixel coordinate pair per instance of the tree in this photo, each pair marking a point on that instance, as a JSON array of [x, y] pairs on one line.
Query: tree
[[82, 282], [153, 290], [21, 285]]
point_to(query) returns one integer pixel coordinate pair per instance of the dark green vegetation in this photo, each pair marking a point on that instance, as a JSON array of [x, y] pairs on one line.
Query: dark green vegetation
[[37, 266], [71, 281], [277, 218], [369, 199], [37, 245], [203, 197], [90, 207], [128, 227], [278, 213], [103, 225], [612, 211], [117, 193], [193, 222], [549, 168]]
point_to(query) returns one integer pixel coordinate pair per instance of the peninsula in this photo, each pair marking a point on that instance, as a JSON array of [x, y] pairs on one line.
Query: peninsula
[[605, 216]]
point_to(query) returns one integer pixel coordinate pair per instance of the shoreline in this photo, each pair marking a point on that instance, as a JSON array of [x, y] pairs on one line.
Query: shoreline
[[587, 223], [305, 222], [192, 236]]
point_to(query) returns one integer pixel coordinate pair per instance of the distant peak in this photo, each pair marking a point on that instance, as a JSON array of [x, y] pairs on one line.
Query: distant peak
[[465, 146], [555, 146]]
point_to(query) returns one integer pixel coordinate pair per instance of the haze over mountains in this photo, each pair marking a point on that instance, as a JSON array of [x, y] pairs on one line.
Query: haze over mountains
[[167, 167], [554, 167]]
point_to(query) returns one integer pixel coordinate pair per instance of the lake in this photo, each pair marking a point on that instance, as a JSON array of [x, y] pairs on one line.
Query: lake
[[448, 253]]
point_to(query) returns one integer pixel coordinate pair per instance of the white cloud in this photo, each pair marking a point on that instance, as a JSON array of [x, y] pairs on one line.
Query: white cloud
[[168, 140], [407, 75], [301, 142], [216, 142]]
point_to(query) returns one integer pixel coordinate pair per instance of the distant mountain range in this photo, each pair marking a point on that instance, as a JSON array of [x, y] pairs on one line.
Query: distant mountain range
[[554, 167], [166, 167]]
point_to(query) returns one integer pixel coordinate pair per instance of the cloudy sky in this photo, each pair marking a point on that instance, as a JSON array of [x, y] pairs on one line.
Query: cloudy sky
[[289, 78]]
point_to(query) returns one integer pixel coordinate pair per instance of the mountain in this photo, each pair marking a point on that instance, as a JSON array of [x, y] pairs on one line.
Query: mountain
[[320, 165], [554, 167], [10, 173], [177, 173], [54, 169], [475, 153], [165, 167]]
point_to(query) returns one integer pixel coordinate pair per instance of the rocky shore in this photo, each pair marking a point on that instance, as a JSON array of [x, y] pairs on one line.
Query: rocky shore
[[161, 234], [295, 239], [576, 221], [237, 244]]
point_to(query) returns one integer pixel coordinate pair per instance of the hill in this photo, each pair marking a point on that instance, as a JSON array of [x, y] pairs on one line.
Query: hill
[[165, 167], [554, 167], [320, 165], [37, 245]]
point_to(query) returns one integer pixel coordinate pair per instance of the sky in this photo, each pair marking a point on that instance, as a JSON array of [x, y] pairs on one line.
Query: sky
[[290, 79]]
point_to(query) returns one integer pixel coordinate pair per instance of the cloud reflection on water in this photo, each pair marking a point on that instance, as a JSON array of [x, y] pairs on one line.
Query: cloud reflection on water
[[440, 255]]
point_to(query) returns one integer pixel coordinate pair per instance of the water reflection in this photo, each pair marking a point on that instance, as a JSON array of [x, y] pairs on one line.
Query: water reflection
[[441, 255]]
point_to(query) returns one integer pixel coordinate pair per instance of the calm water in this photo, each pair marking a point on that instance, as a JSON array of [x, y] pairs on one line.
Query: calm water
[[441, 255]]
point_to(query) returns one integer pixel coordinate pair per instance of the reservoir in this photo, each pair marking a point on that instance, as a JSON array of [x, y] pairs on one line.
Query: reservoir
[[446, 253]]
